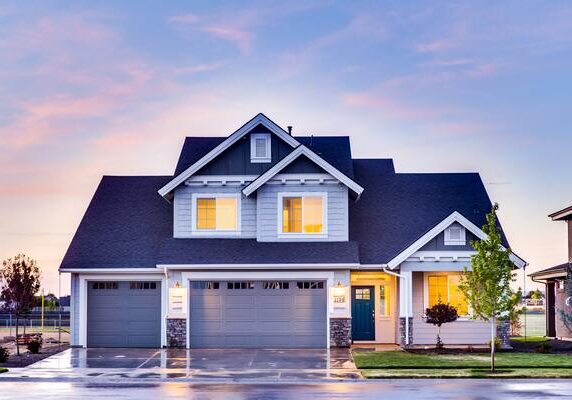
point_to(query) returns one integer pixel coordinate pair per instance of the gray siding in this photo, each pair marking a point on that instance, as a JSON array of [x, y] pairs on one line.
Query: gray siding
[[438, 242], [74, 309], [470, 332], [267, 211], [183, 205]]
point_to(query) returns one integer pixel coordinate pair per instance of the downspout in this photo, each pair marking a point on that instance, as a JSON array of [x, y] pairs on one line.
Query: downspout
[[406, 296]]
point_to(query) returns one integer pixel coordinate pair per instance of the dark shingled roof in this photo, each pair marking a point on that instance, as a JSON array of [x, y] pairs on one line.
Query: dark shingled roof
[[129, 225], [334, 149], [397, 209], [562, 268]]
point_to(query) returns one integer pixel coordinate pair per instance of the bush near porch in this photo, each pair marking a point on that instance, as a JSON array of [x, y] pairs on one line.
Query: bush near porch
[[431, 364]]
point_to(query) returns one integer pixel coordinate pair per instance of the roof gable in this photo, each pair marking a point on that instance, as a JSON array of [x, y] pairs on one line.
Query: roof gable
[[259, 119], [290, 158]]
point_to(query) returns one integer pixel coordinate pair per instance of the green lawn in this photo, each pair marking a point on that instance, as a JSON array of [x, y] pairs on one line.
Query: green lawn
[[404, 364], [529, 339]]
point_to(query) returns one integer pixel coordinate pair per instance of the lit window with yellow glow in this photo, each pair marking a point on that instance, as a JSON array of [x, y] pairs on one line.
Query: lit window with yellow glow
[[303, 214], [445, 289], [217, 213]]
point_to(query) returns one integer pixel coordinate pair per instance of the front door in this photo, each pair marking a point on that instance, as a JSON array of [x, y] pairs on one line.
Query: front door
[[363, 314]]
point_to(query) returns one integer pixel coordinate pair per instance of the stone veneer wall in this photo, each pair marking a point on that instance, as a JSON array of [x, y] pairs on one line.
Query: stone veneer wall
[[402, 331], [177, 332], [340, 332]]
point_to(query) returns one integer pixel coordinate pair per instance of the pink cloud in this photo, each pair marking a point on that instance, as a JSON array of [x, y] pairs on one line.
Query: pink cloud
[[435, 46], [238, 36], [185, 18]]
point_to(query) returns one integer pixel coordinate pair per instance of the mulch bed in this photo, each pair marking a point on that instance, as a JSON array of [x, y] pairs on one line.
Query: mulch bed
[[25, 358], [556, 346]]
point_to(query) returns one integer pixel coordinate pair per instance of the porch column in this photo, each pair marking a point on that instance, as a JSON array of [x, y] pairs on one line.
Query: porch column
[[406, 308]]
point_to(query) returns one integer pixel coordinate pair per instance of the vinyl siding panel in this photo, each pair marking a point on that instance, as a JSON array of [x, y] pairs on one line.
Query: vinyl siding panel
[[467, 332], [183, 209], [267, 211], [74, 309]]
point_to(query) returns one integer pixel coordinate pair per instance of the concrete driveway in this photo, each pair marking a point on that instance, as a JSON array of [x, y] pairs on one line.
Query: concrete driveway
[[191, 365]]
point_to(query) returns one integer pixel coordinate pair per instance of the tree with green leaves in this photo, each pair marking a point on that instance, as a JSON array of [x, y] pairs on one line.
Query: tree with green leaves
[[487, 285], [19, 282]]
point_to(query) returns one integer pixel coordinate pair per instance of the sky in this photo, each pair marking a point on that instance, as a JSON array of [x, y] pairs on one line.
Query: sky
[[92, 88]]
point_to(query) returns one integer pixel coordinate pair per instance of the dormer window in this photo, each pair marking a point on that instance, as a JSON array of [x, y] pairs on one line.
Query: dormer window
[[455, 236], [260, 149]]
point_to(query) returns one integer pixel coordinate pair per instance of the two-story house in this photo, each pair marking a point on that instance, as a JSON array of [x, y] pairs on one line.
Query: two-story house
[[558, 300], [265, 239]]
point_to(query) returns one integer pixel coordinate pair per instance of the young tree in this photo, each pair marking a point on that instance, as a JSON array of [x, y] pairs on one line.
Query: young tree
[[19, 282], [441, 314], [487, 285]]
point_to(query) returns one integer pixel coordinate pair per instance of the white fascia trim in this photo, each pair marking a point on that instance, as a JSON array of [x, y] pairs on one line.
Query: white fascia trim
[[454, 217], [302, 150], [233, 138], [441, 255], [110, 270], [266, 267]]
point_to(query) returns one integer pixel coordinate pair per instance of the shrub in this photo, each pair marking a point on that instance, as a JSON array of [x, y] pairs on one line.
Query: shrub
[[4, 354], [34, 346], [441, 314], [497, 343], [544, 348]]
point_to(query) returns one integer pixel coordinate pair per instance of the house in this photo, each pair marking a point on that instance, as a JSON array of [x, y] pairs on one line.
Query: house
[[558, 296], [265, 239]]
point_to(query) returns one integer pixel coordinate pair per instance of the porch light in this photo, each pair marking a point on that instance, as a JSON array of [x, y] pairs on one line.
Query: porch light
[[177, 300]]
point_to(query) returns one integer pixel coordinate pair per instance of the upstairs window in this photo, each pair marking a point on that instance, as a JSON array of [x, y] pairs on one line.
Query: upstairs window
[[455, 236], [260, 148], [303, 214], [214, 213]]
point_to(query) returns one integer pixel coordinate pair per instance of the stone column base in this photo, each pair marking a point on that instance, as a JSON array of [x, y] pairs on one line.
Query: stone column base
[[340, 332], [402, 331], [177, 332], [503, 334]]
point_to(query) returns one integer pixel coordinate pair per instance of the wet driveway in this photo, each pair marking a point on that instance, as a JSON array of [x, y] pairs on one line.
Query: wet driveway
[[191, 365]]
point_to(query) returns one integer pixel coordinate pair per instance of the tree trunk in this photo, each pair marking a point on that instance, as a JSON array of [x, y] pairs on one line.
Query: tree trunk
[[17, 345], [493, 339]]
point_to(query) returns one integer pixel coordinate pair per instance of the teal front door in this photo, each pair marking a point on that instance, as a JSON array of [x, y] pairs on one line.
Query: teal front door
[[363, 313]]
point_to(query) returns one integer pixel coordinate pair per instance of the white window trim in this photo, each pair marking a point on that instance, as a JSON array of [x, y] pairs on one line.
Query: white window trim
[[215, 232], [302, 235], [426, 276], [268, 157], [455, 242]]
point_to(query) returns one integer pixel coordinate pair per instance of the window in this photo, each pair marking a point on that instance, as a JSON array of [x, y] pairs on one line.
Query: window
[[445, 289], [260, 148], [384, 300], [205, 285], [142, 285], [455, 236], [239, 285], [303, 214], [310, 285], [276, 285], [105, 285], [363, 294], [216, 212]]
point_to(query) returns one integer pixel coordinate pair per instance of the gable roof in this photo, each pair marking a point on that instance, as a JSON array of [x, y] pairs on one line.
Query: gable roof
[[127, 225], [407, 206], [561, 215], [295, 154], [259, 119], [195, 148], [553, 272]]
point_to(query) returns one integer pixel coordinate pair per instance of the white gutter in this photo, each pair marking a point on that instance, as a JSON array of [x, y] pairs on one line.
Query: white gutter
[[406, 287]]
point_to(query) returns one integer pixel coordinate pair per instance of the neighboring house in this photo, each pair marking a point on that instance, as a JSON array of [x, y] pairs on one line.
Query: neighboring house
[[264, 239], [557, 299]]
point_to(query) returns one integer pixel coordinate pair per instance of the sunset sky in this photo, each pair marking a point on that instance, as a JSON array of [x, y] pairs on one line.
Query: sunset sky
[[92, 88]]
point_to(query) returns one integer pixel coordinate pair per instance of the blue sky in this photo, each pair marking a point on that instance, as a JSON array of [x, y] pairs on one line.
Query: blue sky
[[92, 88]]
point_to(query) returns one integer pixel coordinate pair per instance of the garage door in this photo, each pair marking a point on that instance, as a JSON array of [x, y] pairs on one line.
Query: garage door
[[124, 314], [258, 314]]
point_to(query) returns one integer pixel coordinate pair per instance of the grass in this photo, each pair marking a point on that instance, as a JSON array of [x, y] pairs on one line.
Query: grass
[[402, 364], [529, 339], [2, 370]]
